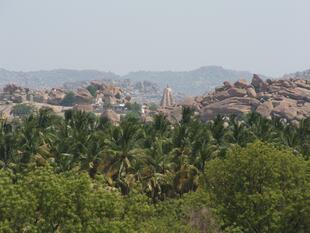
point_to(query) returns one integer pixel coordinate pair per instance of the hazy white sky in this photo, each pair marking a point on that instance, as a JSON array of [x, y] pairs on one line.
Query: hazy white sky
[[264, 36]]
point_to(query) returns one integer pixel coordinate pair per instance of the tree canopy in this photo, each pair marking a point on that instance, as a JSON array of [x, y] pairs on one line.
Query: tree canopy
[[82, 173]]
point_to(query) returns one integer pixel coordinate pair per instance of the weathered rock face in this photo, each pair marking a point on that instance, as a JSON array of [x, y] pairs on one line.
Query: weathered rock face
[[219, 96], [106, 89], [233, 105], [105, 93], [265, 109], [227, 85], [83, 96], [236, 92], [55, 96], [296, 93], [190, 102], [258, 83], [286, 108], [251, 92], [241, 84], [288, 99], [97, 84]]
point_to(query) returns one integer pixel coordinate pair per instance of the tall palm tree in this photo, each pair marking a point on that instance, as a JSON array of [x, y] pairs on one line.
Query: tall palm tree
[[186, 178], [261, 127], [123, 152], [7, 144], [239, 133], [29, 140], [303, 134]]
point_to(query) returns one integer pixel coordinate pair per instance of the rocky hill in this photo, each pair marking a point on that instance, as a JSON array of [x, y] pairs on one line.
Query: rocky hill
[[52, 78], [298, 75], [140, 91], [194, 82], [284, 98]]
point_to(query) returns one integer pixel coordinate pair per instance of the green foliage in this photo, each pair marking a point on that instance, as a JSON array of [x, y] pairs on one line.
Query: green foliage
[[131, 115], [81, 173], [260, 188], [133, 107], [43, 201], [69, 99], [153, 107], [21, 110], [92, 90]]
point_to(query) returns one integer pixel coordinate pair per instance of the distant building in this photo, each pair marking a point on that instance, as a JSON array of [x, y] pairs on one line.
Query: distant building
[[167, 99]]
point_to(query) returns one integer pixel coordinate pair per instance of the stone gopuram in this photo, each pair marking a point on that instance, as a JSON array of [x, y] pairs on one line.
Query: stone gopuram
[[167, 99]]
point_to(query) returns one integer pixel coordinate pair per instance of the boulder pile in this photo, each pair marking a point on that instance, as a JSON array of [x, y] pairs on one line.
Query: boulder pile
[[55, 96], [83, 96], [285, 98]]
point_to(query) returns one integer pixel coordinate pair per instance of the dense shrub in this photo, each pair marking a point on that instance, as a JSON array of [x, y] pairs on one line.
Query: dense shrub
[[260, 188]]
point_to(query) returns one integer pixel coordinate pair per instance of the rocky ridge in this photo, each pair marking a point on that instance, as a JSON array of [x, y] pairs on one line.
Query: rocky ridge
[[192, 82], [106, 93], [284, 98]]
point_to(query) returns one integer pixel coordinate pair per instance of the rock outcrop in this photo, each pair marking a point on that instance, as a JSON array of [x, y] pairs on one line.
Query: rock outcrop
[[284, 98], [55, 96], [83, 96], [233, 105], [237, 92], [12, 88], [241, 84], [258, 83], [265, 109]]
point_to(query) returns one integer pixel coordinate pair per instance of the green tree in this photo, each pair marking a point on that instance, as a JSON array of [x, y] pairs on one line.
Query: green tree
[[21, 110], [7, 144], [69, 99], [123, 153], [261, 189], [153, 107], [133, 107], [92, 90]]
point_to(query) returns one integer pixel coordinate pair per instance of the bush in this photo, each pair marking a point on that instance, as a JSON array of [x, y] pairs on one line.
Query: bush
[[22, 110], [45, 201], [153, 107], [134, 107], [92, 90], [69, 99], [261, 189]]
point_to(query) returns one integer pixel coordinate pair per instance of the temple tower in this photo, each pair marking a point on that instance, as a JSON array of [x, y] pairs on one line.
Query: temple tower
[[167, 99]]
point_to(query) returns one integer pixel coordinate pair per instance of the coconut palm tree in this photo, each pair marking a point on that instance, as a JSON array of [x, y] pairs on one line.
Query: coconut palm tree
[[29, 140], [239, 133], [261, 127], [7, 144], [123, 152]]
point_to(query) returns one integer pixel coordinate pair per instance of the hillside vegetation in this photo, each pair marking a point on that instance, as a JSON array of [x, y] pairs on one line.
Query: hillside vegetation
[[83, 174]]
